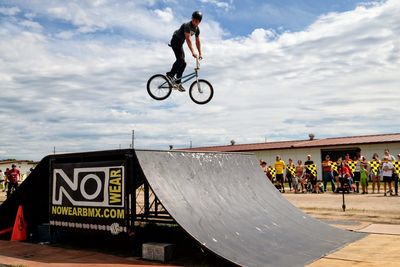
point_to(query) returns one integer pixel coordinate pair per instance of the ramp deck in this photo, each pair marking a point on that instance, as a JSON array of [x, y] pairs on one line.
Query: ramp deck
[[226, 203]]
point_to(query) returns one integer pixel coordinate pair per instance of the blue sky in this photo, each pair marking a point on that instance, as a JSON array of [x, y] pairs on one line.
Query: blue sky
[[73, 73]]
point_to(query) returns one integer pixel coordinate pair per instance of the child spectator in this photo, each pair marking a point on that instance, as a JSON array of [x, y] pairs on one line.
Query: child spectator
[[364, 179], [300, 174], [264, 168]]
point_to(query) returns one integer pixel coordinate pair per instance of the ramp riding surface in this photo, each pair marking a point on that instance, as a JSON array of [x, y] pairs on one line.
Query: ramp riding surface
[[226, 203]]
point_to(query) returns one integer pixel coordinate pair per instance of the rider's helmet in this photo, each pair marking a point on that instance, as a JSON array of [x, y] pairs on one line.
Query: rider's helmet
[[197, 15], [13, 166]]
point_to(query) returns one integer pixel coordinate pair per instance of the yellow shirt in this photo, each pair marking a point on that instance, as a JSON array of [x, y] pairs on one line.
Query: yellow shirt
[[279, 166]]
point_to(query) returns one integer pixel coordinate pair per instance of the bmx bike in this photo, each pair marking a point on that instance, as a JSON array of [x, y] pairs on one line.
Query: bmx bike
[[201, 91]]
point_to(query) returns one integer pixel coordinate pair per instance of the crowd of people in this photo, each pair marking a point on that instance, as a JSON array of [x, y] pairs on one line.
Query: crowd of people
[[350, 174], [9, 179]]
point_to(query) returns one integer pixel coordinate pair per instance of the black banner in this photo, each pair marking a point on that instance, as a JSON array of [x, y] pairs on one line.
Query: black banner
[[88, 196]]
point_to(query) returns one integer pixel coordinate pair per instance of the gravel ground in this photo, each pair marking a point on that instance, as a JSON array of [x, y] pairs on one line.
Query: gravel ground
[[374, 208]]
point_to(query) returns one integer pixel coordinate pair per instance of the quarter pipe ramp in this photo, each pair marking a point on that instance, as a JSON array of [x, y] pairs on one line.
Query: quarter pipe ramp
[[225, 202]]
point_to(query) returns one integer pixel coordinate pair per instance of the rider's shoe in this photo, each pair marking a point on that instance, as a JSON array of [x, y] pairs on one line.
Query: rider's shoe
[[180, 88]]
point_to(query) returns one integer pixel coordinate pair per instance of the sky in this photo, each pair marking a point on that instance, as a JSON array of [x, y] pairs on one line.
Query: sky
[[73, 73]]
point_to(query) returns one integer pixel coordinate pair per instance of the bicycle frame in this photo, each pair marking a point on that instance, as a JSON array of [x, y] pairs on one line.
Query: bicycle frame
[[190, 76]]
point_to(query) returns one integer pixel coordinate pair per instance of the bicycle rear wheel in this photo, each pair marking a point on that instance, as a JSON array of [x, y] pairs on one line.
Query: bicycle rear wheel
[[201, 92], [158, 87]]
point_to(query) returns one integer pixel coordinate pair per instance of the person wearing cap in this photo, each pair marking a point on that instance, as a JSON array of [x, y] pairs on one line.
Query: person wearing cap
[[13, 178], [184, 33]]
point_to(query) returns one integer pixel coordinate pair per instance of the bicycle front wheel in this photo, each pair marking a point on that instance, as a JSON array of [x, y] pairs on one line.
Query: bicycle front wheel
[[159, 87], [201, 92]]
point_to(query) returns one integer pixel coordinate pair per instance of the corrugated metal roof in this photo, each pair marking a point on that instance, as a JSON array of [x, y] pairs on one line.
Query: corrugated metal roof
[[336, 141]]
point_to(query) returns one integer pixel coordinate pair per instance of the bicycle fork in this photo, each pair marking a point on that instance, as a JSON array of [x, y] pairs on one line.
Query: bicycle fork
[[197, 81]]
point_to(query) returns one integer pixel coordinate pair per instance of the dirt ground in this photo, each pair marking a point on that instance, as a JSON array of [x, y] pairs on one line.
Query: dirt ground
[[362, 211], [373, 208]]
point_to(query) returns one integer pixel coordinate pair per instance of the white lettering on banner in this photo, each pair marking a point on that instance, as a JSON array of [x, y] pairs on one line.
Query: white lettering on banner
[[67, 190]]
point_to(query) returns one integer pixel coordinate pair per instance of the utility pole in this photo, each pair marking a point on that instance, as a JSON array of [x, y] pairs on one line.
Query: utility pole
[[133, 139], [54, 150], [190, 143]]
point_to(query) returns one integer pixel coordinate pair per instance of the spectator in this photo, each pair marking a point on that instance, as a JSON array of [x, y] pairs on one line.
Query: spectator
[[348, 171], [6, 179], [2, 178], [391, 159], [364, 179], [309, 174], [387, 172], [289, 174], [396, 177], [327, 175], [375, 172], [335, 173], [300, 175], [13, 178], [364, 164], [387, 154], [264, 167], [279, 167], [357, 172], [344, 173]]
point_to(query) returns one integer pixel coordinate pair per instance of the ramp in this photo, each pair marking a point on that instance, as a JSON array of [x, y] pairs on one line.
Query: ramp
[[226, 203]]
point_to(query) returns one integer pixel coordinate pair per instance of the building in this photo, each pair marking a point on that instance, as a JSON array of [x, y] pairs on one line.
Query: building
[[337, 147], [24, 166]]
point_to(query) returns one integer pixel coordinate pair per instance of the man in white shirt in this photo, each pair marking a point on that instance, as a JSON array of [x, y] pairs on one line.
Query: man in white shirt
[[387, 173]]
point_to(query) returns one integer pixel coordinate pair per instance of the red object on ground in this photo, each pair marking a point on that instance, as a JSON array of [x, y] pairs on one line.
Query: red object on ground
[[6, 230], [20, 227]]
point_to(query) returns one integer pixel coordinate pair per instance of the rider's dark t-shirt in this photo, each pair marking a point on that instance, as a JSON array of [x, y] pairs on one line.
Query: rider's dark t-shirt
[[187, 28]]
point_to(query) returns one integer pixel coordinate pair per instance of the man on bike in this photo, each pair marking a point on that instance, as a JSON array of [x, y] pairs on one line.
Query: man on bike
[[179, 37]]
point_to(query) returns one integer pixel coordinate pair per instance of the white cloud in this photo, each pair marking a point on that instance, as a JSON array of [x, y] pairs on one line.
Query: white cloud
[[9, 11], [220, 4], [34, 26], [166, 15], [339, 76]]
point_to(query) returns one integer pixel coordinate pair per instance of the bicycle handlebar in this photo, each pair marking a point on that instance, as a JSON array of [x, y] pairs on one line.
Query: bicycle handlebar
[[197, 63]]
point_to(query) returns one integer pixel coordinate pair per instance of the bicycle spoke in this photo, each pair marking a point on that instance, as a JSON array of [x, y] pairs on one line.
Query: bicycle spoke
[[201, 92], [158, 87]]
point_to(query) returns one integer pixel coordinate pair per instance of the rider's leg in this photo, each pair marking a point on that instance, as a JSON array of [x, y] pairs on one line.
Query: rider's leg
[[177, 47], [181, 70]]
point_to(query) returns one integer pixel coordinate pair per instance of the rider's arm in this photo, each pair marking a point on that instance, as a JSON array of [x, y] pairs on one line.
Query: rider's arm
[[189, 43], [198, 45]]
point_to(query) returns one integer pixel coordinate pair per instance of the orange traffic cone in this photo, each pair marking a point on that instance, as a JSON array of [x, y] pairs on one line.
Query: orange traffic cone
[[20, 227]]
